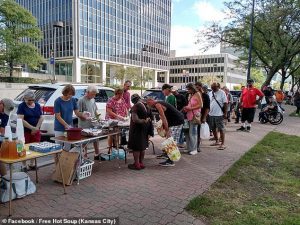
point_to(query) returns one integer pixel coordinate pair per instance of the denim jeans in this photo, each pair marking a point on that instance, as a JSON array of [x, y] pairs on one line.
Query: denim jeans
[[191, 137]]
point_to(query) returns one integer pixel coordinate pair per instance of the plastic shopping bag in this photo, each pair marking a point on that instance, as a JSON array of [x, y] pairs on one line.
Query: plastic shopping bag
[[204, 131], [170, 147], [160, 130]]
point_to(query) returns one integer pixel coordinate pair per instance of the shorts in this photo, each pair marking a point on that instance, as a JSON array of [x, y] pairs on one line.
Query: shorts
[[248, 114], [216, 122]]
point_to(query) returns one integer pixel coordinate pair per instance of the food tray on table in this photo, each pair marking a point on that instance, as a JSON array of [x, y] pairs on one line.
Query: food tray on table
[[44, 147], [91, 132]]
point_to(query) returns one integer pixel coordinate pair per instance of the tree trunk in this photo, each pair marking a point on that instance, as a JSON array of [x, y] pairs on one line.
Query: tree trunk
[[11, 69], [270, 75], [283, 78]]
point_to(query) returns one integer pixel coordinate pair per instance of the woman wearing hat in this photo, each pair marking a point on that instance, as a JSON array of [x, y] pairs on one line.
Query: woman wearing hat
[[138, 132]]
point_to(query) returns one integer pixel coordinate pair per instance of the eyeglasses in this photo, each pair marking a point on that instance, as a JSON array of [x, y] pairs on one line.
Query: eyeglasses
[[30, 100]]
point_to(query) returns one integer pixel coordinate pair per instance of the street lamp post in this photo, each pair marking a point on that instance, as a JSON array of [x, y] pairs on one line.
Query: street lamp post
[[251, 41], [57, 24], [144, 49]]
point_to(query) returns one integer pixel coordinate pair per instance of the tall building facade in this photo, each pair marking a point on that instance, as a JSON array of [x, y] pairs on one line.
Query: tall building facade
[[223, 68], [100, 35]]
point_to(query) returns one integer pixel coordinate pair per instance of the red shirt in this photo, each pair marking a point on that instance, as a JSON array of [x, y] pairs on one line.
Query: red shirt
[[249, 97]]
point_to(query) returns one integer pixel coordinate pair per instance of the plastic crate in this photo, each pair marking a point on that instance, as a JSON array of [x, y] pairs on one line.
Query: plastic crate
[[86, 169]]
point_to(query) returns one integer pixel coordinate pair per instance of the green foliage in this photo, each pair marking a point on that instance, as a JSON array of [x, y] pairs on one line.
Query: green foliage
[[276, 32], [261, 188], [27, 80], [258, 77], [17, 23]]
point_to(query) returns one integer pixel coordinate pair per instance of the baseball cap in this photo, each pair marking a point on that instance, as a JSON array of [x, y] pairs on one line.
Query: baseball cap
[[166, 86], [8, 105]]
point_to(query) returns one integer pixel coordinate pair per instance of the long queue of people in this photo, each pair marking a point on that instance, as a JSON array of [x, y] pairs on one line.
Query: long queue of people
[[181, 116]]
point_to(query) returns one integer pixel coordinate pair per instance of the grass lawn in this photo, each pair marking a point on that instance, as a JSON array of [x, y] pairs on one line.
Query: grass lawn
[[263, 187], [294, 114]]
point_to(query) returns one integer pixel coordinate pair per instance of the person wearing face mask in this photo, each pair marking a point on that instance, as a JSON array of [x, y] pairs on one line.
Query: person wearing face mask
[[217, 114], [248, 104]]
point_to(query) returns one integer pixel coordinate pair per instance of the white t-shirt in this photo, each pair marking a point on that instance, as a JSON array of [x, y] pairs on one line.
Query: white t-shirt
[[215, 109]]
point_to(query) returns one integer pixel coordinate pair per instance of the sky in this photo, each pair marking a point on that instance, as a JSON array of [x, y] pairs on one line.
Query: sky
[[188, 16]]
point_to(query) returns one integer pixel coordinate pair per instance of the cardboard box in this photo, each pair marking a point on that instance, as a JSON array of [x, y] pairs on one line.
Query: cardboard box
[[68, 162]]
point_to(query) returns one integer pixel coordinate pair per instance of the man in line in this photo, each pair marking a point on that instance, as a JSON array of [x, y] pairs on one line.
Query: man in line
[[126, 94], [172, 121], [204, 110], [248, 104], [170, 98], [217, 114]]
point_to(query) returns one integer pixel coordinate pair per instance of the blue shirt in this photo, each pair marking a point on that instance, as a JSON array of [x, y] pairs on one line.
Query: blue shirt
[[3, 120], [65, 108], [31, 115]]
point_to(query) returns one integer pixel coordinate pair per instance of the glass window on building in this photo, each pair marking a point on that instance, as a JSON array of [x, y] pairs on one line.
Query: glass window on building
[[90, 72]]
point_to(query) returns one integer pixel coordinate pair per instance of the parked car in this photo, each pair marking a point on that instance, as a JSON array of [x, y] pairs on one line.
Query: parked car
[[46, 94], [157, 94]]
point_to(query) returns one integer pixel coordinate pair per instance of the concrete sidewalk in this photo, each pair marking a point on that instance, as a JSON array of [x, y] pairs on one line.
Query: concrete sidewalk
[[156, 195]]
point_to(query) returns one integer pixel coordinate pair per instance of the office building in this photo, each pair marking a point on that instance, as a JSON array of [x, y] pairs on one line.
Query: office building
[[223, 68], [100, 36]]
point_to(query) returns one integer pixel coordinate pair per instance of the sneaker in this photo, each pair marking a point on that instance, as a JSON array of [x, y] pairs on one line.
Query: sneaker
[[167, 163], [180, 145], [193, 152], [162, 156], [248, 129], [241, 129]]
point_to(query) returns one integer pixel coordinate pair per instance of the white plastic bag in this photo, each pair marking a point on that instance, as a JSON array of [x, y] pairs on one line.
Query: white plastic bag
[[160, 130], [169, 146], [204, 131]]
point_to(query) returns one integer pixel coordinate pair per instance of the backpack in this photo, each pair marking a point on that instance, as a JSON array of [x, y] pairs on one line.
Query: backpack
[[21, 186]]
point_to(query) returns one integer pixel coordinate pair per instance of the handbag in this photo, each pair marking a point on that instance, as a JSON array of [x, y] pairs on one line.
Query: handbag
[[21, 186], [196, 117]]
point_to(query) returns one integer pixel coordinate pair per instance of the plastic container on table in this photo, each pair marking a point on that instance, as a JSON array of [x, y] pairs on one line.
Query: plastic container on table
[[74, 133]]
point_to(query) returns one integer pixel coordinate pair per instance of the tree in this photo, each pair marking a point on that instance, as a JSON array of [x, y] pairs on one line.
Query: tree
[[16, 25], [120, 74], [276, 33], [258, 77]]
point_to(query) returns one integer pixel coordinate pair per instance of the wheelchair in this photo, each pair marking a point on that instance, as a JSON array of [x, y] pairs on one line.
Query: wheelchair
[[273, 116]]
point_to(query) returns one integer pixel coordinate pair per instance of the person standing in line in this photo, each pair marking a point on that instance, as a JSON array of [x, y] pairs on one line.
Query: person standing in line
[[217, 114], [138, 132], [204, 110], [192, 109], [230, 102], [170, 98], [248, 104], [297, 102], [87, 106], [172, 121], [279, 95], [126, 94], [181, 102]]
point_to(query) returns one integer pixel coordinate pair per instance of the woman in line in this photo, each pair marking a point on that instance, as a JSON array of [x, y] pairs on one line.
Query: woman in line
[[31, 114], [116, 108], [64, 107], [192, 109], [138, 132]]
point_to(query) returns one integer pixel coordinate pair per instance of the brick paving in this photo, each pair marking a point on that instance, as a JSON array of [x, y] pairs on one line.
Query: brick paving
[[156, 195]]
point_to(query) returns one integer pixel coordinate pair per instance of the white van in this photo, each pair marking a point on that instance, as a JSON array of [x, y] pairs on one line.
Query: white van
[[46, 94]]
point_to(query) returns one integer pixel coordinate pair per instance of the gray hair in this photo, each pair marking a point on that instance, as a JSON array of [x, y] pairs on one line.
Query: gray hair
[[29, 94], [92, 88]]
